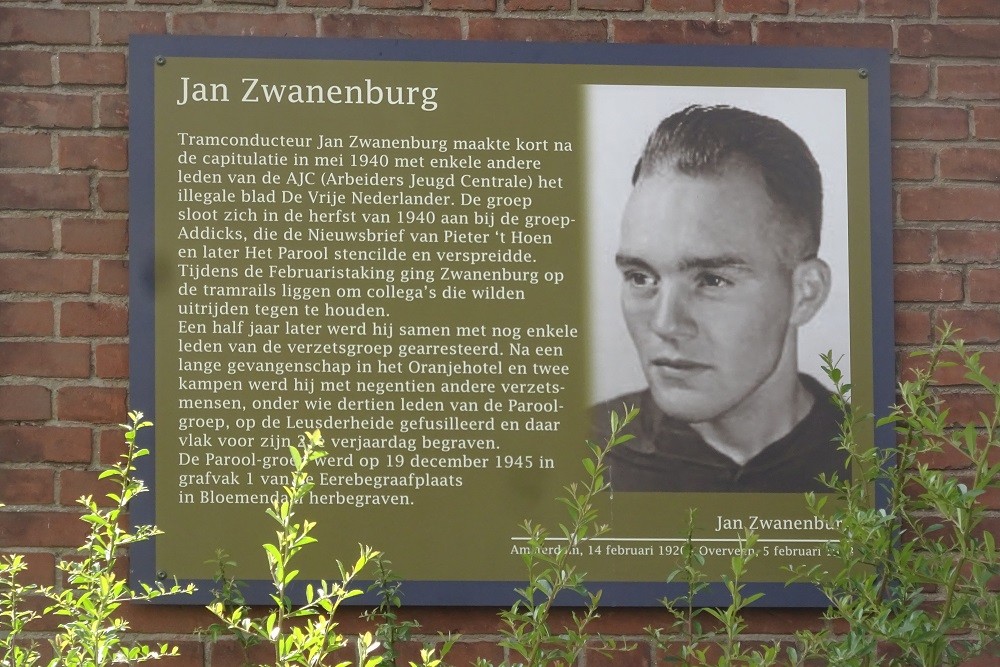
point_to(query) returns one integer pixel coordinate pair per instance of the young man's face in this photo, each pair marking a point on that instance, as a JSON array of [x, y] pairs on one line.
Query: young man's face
[[708, 301]]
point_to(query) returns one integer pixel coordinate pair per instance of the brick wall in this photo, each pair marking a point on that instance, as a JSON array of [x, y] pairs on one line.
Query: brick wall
[[64, 207]]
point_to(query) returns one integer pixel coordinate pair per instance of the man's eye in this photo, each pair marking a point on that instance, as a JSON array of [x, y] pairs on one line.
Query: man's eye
[[713, 280], [639, 278]]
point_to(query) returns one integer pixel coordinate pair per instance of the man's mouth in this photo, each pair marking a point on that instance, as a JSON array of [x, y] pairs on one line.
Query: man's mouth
[[678, 365]]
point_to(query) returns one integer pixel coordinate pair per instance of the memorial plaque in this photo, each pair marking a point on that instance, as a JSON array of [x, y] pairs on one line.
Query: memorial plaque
[[418, 249]]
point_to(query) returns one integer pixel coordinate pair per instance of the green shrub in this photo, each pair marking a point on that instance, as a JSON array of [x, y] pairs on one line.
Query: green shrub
[[526, 630], [305, 635], [913, 585], [91, 633]]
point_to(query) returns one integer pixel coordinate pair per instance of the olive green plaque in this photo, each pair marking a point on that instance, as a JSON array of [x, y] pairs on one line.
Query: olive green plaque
[[410, 247]]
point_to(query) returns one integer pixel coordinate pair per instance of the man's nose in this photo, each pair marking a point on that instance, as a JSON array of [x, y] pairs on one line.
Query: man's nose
[[672, 317]]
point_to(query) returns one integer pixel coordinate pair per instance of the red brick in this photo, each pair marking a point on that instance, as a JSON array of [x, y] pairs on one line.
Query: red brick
[[968, 82], [948, 458], [43, 623], [550, 30], [227, 653], [112, 193], [191, 653], [755, 6], [98, 405], [44, 26], [112, 110], [970, 164], [26, 318], [964, 407], [89, 236], [336, 4], [966, 245], [24, 402], [929, 123], [390, 26], [951, 371], [114, 27], [41, 569], [611, 5], [85, 318], [939, 203], [928, 285], [984, 285], [670, 652], [392, 4], [263, 25], [26, 487], [619, 621], [44, 110], [91, 152], [265, 3], [467, 621], [25, 235], [467, 652], [466, 5], [912, 327], [167, 619], [537, 5], [26, 68], [918, 8], [683, 5], [41, 529], [973, 325], [409, 651], [45, 191], [111, 360], [912, 246], [64, 360], [112, 446], [964, 40], [112, 277], [74, 484], [44, 275], [638, 654], [987, 121], [909, 80], [25, 150], [92, 68], [989, 500], [826, 7], [44, 444], [825, 34], [774, 621], [683, 32], [912, 164], [969, 8]]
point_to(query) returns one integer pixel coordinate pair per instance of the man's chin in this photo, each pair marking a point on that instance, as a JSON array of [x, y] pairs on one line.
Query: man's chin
[[686, 408]]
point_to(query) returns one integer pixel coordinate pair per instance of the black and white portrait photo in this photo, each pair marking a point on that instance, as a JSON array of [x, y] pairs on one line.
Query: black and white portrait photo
[[717, 223]]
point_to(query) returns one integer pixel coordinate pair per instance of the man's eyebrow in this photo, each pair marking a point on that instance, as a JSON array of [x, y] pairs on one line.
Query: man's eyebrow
[[718, 262], [629, 262]]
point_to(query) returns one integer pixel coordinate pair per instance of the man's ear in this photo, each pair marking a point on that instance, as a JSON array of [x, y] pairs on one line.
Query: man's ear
[[811, 285]]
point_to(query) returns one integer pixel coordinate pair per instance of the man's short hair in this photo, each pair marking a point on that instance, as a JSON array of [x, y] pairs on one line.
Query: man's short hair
[[703, 139]]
